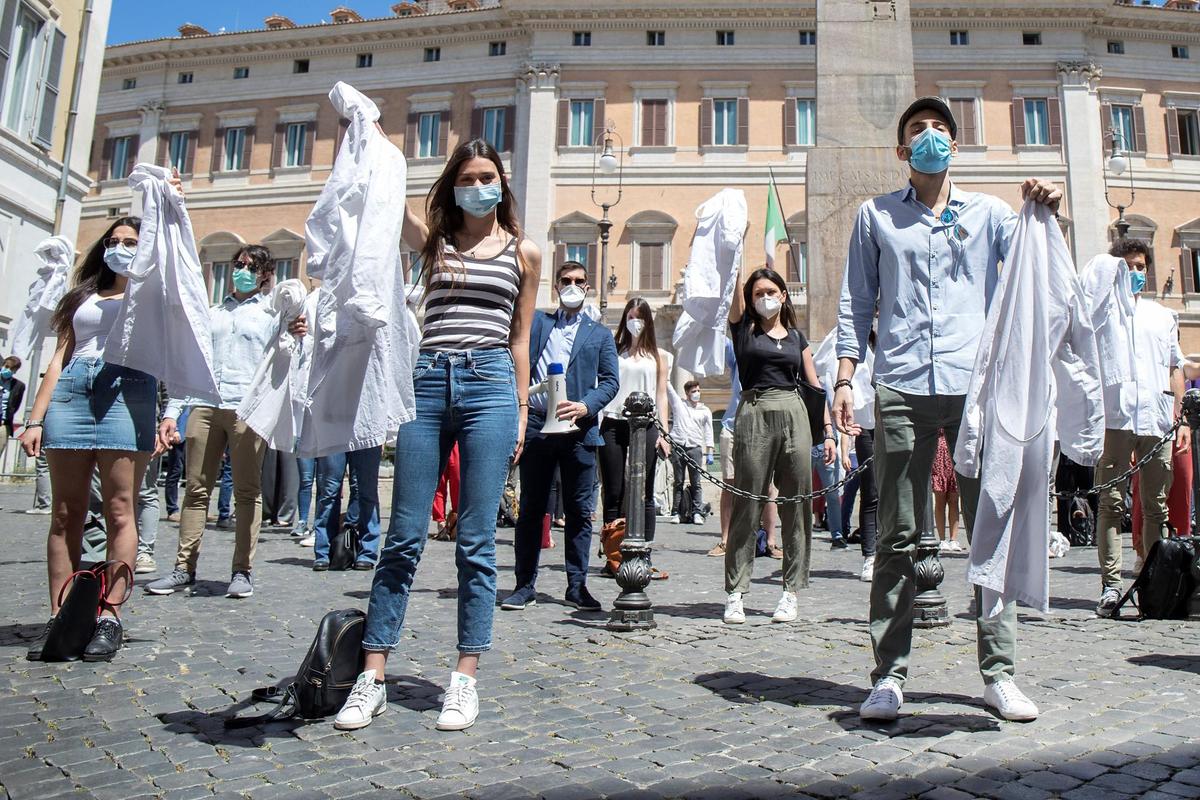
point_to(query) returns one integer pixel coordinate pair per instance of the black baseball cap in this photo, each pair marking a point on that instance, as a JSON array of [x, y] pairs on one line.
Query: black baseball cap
[[934, 104]]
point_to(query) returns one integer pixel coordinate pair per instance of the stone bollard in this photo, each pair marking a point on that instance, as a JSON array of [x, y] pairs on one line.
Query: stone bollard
[[631, 610]]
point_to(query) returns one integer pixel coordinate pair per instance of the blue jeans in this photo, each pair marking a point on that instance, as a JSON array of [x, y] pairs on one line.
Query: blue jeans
[[225, 495], [304, 496], [469, 398], [364, 503], [829, 475]]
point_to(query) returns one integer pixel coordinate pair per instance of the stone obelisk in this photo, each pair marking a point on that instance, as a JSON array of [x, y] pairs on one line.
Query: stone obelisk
[[864, 80]]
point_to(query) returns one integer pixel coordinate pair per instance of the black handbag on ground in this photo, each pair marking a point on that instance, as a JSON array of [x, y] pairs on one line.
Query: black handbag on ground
[[344, 549], [1164, 587], [326, 676], [75, 623]]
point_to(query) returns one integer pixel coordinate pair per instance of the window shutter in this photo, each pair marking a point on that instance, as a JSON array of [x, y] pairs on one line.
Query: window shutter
[[599, 124], [162, 152], [410, 136], [1173, 145], [967, 134], [1185, 270], [310, 141], [1055, 120], [444, 134], [247, 147], [106, 154], [706, 122], [189, 163], [593, 265], [560, 255], [564, 123], [8, 21], [477, 123], [1018, 121], [743, 121], [648, 124], [789, 123], [650, 267], [218, 149], [132, 154], [278, 159], [49, 101], [1106, 123], [510, 128], [1139, 129]]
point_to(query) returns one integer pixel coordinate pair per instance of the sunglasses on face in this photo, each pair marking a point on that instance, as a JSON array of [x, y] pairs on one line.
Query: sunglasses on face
[[564, 282], [113, 241]]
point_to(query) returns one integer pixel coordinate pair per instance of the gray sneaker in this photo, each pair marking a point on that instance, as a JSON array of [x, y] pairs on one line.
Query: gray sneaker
[[178, 579], [240, 586], [1108, 601]]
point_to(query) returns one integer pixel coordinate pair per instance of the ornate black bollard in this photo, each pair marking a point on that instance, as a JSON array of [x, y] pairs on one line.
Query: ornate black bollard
[[1191, 417], [631, 610], [929, 606]]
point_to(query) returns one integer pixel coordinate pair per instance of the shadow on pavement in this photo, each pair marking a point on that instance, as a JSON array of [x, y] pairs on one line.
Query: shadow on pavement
[[1164, 661]]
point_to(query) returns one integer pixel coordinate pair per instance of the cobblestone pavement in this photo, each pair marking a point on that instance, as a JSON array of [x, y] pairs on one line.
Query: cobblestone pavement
[[694, 708]]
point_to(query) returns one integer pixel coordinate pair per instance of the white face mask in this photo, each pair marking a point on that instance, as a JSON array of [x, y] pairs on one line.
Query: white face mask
[[695, 397], [635, 327], [571, 296], [767, 306], [119, 258]]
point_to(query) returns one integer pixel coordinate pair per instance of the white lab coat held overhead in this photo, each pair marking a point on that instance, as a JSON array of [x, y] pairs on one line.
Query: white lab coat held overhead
[[1109, 302], [163, 325], [272, 406], [1036, 379], [56, 255], [709, 281]]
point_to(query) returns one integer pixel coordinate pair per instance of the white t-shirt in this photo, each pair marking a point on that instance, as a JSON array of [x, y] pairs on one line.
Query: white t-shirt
[[637, 374], [93, 320], [1146, 405]]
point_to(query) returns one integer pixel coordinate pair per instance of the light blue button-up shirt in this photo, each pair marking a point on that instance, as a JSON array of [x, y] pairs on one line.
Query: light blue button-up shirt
[[558, 351], [932, 281], [241, 332], [735, 388]]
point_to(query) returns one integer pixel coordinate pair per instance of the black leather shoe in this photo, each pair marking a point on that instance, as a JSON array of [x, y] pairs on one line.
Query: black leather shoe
[[364, 566], [582, 599], [320, 566], [106, 641], [35, 648]]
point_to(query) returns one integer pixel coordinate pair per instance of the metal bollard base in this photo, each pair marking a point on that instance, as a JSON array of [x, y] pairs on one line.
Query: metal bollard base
[[634, 620], [632, 609], [929, 606], [933, 616]]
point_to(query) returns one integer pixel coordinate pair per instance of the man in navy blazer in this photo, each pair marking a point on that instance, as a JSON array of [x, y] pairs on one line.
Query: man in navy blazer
[[588, 353]]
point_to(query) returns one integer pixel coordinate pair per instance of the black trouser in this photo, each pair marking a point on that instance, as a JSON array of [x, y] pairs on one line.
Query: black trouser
[[686, 505], [615, 433], [576, 462], [868, 492]]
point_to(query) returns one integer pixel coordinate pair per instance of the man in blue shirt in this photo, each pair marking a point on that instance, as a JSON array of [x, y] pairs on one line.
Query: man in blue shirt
[[588, 353], [928, 257]]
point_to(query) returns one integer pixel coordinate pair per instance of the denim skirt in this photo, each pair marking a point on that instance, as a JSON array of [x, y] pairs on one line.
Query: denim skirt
[[99, 406]]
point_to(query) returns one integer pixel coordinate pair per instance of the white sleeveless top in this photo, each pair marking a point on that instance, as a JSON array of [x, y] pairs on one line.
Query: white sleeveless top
[[637, 374], [92, 322]]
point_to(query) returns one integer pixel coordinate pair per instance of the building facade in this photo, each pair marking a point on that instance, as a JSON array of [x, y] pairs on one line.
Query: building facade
[[50, 57], [696, 96]]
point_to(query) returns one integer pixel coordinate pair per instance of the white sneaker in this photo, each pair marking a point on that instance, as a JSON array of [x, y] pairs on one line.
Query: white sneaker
[[1009, 701], [38, 511], [734, 613], [953, 546], [697, 519], [1138, 563], [674, 519], [308, 541], [461, 705], [868, 569], [1108, 601], [367, 701], [786, 610], [884, 701], [145, 563]]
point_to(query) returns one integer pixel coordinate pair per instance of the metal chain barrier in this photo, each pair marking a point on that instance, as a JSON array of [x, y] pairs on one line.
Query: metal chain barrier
[[861, 468]]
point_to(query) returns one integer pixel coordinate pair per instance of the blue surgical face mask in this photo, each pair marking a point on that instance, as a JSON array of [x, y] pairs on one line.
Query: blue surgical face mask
[[478, 201], [1137, 281], [119, 258], [244, 281], [930, 152], [5, 373]]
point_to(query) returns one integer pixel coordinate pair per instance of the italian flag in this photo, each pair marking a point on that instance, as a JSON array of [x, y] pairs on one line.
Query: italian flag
[[776, 230]]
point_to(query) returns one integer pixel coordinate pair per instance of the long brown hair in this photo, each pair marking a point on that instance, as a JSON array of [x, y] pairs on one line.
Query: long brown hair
[[646, 343], [91, 276], [787, 314], [445, 218]]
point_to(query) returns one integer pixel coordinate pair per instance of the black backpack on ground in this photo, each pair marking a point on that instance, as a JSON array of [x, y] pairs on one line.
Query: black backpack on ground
[[1081, 530], [1164, 587], [344, 548], [326, 676]]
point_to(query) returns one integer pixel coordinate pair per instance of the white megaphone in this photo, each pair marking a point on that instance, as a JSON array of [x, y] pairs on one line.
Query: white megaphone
[[555, 387]]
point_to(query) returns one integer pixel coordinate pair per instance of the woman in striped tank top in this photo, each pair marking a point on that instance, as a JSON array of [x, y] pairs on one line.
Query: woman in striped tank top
[[471, 383]]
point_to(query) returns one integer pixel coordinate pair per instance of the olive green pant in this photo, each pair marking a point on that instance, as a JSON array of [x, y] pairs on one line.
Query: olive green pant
[[1154, 485], [906, 437], [771, 443]]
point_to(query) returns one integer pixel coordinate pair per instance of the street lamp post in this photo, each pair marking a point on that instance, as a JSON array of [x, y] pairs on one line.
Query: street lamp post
[[607, 161], [1118, 164]]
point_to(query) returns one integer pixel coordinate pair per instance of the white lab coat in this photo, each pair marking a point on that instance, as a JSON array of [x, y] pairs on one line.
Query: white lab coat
[[358, 388], [709, 281], [1036, 379], [56, 253], [163, 326], [826, 362], [271, 406], [1109, 301]]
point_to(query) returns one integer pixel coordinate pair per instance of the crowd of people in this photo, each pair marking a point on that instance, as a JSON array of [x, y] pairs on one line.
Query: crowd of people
[[918, 278]]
